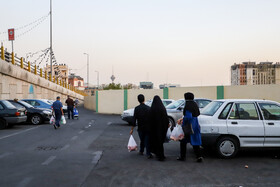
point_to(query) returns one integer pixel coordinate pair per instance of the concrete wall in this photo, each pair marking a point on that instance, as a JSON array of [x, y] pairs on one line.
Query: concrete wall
[[209, 92], [111, 101], [114, 102], [268, 92], [90, 102], [149, 94], [18, 83]]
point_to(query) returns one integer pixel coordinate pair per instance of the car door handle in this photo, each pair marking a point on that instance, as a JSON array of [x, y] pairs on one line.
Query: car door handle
[[234, 123], [270, 123]]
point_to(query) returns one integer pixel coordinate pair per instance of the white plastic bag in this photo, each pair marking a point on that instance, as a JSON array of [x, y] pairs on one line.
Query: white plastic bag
[[63, 120], [168, 134], [177, 133], [52, 121], [131, 146]]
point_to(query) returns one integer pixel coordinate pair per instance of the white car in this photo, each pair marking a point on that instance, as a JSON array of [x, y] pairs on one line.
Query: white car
[[127, 115], [231, 124]]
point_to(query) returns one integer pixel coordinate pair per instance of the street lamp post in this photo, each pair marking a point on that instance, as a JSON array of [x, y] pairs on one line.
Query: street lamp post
[[97, 79], [87, 68]]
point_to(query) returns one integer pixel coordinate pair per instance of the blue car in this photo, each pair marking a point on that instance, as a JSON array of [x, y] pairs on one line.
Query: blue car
[[38, 103]]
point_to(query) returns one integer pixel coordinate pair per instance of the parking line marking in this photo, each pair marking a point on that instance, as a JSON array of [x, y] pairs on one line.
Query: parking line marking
[[18, 132], [97, 156], [49, 160], [25, 182], [81, 132], [65, 147], [74, 137], [5, 154]]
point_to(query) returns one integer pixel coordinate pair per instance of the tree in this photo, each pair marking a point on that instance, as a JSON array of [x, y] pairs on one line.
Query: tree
[[113, 86]]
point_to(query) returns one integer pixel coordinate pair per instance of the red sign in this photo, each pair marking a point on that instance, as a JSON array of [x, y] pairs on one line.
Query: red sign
[[11, 33]]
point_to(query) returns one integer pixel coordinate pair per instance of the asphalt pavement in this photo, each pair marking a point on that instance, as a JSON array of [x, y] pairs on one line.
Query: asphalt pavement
[[92, 151]]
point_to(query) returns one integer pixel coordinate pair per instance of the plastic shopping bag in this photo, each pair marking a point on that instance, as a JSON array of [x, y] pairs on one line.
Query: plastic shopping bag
[[168, 134], [177, 133], [132, 146], [62, 120], [52, 121]]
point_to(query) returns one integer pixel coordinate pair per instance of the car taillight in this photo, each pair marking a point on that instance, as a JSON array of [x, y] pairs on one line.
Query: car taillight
[[17, 113], [25, 112]]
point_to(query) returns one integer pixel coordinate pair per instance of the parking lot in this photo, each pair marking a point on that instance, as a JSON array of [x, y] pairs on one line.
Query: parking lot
[[92, 151]]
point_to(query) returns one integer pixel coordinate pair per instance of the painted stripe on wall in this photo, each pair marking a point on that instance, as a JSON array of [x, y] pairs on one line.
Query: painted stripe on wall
[[125, 100], [220, 92], [96, 101], [165, 93]]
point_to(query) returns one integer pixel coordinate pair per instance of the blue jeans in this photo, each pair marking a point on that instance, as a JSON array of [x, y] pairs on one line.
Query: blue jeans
[[144, 142], [58, 115]]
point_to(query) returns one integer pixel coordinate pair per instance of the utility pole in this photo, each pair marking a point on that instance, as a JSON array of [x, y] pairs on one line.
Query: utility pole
[[87, 68], [51, 57], [97, 79]]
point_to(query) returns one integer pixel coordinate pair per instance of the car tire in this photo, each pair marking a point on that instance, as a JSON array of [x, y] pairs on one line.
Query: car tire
[[171, 121], [36, 119], [227, 147], [3, 124]]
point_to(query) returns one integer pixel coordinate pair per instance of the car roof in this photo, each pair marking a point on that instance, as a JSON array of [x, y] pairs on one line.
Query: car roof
[[244, 100]]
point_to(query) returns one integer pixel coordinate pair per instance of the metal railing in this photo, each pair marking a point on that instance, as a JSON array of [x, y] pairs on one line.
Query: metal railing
[[33, 68]]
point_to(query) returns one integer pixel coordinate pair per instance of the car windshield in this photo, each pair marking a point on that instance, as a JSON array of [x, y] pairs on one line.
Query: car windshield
[[8, 105], [148, 103], [175, 104], [46, 101], [26, 104], [211, 108]]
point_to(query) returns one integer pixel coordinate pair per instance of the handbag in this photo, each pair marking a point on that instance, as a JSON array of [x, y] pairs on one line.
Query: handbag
[[187, 128]]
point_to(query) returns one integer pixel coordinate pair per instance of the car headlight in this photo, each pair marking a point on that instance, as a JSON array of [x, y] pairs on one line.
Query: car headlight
[[47, 112], [126, 114]]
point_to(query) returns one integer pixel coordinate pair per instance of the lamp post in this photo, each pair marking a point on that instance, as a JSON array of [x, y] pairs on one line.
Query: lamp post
[[87, 68], [97, 79]]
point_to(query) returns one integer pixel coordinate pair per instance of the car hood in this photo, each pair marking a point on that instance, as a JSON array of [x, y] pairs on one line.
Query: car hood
[[129, 112]]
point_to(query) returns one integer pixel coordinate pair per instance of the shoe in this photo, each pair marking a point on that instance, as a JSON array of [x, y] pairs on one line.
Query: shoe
[[150, 157], [141, 153], [199, 159], [54, 126], [181, 158]]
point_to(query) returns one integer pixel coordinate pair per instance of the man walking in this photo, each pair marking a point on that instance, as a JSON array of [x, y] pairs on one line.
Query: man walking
[[70, 106], [58, 111], [141, 115]]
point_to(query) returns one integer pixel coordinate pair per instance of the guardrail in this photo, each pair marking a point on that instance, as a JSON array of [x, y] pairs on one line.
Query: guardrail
[[33, 68]]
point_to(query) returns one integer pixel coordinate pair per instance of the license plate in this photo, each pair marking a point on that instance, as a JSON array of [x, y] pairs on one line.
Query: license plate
[[22, 113]]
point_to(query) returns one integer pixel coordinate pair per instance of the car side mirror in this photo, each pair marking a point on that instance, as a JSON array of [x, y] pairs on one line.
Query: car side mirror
[[180, 108]]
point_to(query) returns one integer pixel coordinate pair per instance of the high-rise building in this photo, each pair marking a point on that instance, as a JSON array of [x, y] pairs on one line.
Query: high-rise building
[[250, 73]]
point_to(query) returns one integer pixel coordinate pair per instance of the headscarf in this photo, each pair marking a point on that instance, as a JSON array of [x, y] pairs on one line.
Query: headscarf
[[157, 105], [190, 105]]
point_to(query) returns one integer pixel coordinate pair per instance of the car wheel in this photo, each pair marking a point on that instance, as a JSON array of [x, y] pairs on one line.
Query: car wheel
[[3, 124], [36, 119], [171, 121], [227, 147]]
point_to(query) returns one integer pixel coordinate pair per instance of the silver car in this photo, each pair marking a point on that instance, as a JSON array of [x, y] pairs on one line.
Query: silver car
[[175, 109]]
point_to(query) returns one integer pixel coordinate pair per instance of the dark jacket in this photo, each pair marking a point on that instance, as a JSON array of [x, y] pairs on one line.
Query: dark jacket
[[141, 115], [69, 102]]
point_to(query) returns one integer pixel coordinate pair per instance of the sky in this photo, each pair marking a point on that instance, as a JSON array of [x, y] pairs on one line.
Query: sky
[[186, 42]]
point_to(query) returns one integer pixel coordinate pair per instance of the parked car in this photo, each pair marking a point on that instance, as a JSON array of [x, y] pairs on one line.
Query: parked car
[[43, 103], [175, 109], [10, 115], [34, 115], [231, 124], [127, 115], [64, 107]]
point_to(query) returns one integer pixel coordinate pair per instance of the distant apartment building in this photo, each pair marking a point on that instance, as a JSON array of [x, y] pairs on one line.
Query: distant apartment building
[[161, 86], [250, 73], [76, 81], [60, 71]]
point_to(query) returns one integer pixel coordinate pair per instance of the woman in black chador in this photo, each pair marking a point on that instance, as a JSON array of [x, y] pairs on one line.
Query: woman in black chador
[[159, 126]]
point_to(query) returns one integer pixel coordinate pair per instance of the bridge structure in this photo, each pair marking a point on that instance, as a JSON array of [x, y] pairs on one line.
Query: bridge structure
[[20, 79]]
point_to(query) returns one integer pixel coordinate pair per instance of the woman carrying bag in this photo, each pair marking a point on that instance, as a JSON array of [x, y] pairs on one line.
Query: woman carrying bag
[[191, 128]]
